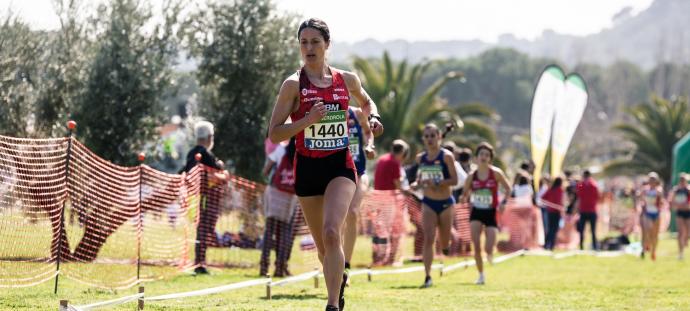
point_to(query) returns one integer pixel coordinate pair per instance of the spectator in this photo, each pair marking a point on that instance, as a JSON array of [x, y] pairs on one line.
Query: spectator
[[208, 216], [281, 202], [553, 200], [389, 175], [459, 171], [388, 168], [544, 183], [523, 192], [588, 195], [465, 159], [571, 192]]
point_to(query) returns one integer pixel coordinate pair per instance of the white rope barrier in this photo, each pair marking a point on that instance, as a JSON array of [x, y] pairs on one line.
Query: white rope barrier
[[213, 290], [539, 252], [462, 264], [469, 263], [601, 254], [107, 303], [316, 274], [512, 255], [403, 270], [356, 272], [295, 279], [565, 254]]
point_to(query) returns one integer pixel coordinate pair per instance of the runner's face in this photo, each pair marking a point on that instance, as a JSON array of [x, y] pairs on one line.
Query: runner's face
[[312, 46], [430, 138], [653, 182], [484, 156]]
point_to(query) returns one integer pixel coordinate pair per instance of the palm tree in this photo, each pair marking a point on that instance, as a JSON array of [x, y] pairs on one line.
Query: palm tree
[[476, 128], [392, 87], [658, 127]]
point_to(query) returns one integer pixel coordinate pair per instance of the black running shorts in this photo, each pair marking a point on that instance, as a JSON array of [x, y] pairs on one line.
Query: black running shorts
[[486, 216], [312, 175]]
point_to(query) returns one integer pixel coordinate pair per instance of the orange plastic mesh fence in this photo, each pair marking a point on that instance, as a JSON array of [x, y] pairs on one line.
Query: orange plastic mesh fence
[[32, 189], [388, 212], [121, 225], [104, 201], [168, 215]]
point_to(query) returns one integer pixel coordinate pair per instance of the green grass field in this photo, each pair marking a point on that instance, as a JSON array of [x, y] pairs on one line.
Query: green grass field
[[524, 283]]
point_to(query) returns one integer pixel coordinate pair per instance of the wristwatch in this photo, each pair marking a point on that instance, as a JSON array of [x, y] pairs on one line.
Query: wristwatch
[[375, 116]]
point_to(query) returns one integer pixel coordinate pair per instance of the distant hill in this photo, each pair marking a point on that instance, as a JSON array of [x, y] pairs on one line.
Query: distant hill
[[659, 33]]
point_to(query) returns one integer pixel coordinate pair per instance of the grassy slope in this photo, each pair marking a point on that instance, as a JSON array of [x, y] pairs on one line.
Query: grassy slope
[[622, 283]]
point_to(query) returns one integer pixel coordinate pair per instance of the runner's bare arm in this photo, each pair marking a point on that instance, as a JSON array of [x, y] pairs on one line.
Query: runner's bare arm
[[450, 163], [286, 103], [417, 183], [354, 85], [467, 188], [663, 202], [672, 199], [502, 180], [369, 147]]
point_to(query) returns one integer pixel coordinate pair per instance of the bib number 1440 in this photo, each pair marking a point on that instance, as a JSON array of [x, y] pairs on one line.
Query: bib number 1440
[[328, 134]]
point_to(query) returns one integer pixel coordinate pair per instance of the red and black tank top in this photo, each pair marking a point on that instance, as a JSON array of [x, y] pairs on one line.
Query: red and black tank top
[[484, 192], [330, 135]]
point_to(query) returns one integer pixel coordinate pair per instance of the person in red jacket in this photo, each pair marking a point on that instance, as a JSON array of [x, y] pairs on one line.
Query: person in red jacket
[[389, 168], [553, 200], [587, 196]]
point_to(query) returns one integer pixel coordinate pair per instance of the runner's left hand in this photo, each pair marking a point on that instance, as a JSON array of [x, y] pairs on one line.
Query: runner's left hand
[[376, 127], [370, 152]]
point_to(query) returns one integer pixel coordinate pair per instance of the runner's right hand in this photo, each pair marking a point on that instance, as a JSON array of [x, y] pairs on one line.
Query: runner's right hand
[[317, 112]]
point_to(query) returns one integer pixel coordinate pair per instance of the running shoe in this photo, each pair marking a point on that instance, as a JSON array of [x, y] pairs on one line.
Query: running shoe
[[427, 282], [331, 308], [480, 280], [341, 298], [347, 271], [200, 270]]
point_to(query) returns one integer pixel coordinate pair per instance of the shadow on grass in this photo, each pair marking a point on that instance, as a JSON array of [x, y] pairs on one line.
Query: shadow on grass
[[294, 297], [406, 287], [467, 284]]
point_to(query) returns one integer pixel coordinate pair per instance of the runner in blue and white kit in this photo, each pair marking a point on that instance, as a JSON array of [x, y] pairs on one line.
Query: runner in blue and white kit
[[361, 148]]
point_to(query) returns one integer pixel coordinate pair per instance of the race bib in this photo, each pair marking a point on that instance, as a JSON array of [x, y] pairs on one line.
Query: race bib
[[328, 134], [681, 198], [354, 147], [431, 172], [482, 199], [651, 204]]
